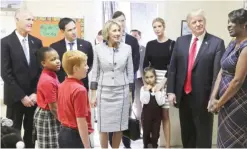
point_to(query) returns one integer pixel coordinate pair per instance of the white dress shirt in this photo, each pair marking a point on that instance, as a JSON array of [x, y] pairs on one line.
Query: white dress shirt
[[123, 38], [198, 43], [68, 46]]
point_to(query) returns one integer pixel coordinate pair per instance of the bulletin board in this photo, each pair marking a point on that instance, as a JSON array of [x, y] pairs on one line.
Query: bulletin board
[[47, 30]]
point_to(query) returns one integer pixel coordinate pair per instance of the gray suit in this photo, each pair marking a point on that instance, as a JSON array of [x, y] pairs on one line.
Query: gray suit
[[112, 67], [112, 73]]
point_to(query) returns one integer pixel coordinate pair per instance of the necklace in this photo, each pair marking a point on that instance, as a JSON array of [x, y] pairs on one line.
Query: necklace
[[159, 41]]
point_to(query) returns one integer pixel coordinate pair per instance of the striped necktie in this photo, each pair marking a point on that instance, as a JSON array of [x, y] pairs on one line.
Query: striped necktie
[[25, 49]]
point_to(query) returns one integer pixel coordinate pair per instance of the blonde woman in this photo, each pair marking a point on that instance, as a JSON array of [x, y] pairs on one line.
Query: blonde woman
[[158, 55], [112, 78]]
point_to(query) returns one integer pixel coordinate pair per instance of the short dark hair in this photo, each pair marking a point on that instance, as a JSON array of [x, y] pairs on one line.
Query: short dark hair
[[238, 16], [9, 137], [135, 30], [41, 53], [100, 33], [117, 14], [63, 22], [149, 69]]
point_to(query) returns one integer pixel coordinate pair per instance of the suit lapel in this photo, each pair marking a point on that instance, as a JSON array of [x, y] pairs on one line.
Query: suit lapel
[[186, 50], [31, 51], [79, 45], [18, 46], [202, 49], [127, 39], [63, 47]]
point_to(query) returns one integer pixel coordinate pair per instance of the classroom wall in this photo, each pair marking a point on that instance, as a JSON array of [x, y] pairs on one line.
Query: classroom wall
[[172, 11], [216, 14], [89, 9]]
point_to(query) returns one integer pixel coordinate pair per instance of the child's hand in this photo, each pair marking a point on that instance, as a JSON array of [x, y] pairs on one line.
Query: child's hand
[[147, 87]]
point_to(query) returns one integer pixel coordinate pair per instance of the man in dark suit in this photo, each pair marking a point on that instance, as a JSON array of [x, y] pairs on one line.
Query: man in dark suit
[[20, 73], [71, 42], [128, 39], [193, 70]]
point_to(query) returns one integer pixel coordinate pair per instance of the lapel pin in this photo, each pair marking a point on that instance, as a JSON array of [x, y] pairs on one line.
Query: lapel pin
[[206, 42], [80, 45], [32, 41]]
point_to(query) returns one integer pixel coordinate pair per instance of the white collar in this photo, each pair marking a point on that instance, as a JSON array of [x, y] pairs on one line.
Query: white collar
[[20, 37], [201, 37], [124, 34], [67, 42]]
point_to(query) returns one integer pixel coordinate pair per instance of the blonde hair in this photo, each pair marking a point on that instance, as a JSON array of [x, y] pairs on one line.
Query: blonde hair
[[159, 20], [198, 12], [106, 28], [73, 58]]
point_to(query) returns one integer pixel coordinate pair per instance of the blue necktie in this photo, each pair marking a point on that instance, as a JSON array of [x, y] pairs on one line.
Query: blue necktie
[[71, 45]]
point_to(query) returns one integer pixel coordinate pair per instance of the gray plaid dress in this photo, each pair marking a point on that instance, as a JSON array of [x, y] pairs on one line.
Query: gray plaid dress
[[232, 124], [46, 128]]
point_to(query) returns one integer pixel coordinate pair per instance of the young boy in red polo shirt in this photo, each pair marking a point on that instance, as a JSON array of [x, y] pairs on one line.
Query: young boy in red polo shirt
[[46, 124], [73, 105]]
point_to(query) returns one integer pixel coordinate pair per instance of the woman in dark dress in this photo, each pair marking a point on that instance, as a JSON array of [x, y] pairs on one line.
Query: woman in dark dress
[[231, 86], [158, 55]]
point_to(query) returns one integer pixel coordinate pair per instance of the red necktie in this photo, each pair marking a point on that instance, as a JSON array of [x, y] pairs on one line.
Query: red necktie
[[192, 54]]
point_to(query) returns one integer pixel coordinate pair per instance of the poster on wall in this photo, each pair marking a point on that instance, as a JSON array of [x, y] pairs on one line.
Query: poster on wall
[[185, 30], [11, 5], [245, 4], [47, 30]]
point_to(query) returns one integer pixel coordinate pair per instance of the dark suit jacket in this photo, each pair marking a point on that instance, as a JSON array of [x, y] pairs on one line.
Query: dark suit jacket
[[205, 69], [82, 45], [20, 79], [142, 55], [132, 41]]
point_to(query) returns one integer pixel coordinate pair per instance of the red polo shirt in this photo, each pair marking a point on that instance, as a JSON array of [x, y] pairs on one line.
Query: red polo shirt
[[73, 103], [47, 89]]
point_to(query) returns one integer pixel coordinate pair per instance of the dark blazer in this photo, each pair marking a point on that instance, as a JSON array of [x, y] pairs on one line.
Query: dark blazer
[[82, 45], [20, 79], [142, 55], [132, 41], [205, 69]]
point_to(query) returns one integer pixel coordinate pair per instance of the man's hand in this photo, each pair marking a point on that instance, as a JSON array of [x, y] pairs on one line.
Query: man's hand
[[172, 98], [27, 102], [33, 97]]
